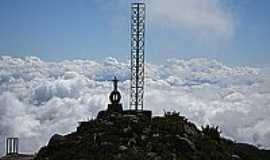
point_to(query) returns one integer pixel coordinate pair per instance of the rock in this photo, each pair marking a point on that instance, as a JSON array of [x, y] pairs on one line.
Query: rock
[[132, 142], [185, 143], [235, 157], [159, 138], [151, 154], [123, 148], [130, 116], [146, 131], [174, 156], [108, 123], [105, 147], [56, 139], [143, 137], [18, 157], [156, 135], [158, 158], [135, 120], [125, 130], [190, 129]]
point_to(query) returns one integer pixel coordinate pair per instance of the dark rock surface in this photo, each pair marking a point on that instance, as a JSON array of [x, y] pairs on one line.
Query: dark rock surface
[[18, 157], [131, 137]]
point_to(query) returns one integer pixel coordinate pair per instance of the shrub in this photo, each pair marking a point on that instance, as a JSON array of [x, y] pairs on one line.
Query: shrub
[[212, 132]]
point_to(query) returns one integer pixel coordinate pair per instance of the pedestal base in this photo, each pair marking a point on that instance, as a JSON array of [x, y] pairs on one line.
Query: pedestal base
[[115, 108]]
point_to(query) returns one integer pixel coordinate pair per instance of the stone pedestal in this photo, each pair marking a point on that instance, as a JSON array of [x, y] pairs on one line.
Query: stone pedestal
[[115, 108]]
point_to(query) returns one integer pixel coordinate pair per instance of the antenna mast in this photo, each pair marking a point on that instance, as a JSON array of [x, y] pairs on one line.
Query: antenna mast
[[137, 55]]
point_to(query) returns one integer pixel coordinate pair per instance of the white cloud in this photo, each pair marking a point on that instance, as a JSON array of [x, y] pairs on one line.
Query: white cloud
[[38, 99], [196, 15]]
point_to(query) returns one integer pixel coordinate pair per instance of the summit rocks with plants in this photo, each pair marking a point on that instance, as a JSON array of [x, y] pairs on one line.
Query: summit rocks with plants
[[119, 136]]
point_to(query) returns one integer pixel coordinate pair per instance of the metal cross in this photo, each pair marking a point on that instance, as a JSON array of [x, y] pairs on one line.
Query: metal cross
[[115, 82]]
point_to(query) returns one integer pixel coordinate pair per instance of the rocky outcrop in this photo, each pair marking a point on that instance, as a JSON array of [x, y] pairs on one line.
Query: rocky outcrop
[[171, 137], [17, 157]]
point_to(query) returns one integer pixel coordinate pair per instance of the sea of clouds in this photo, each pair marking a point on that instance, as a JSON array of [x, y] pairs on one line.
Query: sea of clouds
[[39, 98]]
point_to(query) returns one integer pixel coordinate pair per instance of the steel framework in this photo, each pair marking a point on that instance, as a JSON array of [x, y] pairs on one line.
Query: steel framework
[[12, 145], [137, 55]]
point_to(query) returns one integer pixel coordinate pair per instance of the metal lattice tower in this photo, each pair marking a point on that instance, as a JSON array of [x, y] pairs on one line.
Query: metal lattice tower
[[137, 55], [12, 145]]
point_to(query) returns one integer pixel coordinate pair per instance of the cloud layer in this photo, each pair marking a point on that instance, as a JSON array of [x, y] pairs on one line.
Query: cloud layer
[[38, 98], [196, 15]]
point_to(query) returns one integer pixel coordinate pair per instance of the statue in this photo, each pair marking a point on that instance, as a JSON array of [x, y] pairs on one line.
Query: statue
[[115, 107], [115, 98], [115, 95]]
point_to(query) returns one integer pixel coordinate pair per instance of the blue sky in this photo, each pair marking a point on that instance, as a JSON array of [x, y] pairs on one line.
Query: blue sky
[[235, 32]]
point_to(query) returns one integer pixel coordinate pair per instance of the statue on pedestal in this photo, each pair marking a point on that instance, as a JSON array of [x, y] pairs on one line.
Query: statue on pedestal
[[115, 98], [115, 106]]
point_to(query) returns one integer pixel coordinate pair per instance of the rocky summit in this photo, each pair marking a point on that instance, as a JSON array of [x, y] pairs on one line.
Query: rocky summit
[[118, 134], [136, 137]]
